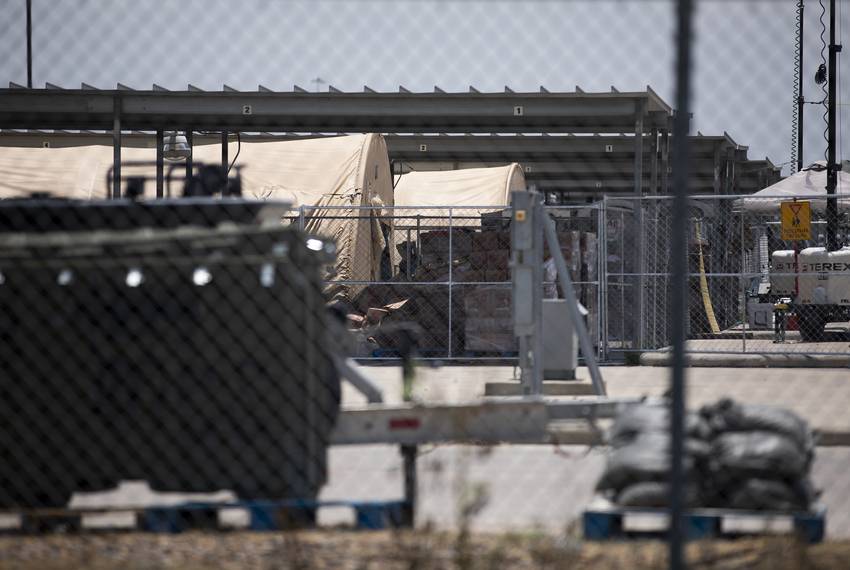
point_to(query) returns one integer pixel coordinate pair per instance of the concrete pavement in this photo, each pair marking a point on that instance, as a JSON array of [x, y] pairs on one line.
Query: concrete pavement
[[522, 487]]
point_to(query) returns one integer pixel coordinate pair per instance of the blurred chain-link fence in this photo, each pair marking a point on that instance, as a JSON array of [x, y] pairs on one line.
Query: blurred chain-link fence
[[749, 291], [261, 260]]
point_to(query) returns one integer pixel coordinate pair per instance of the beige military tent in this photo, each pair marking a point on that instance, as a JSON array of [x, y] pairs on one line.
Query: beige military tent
[[341, 184], [460, 188]]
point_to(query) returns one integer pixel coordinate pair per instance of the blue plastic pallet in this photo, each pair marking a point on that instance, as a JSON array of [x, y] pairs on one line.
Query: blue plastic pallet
[[271, 515], [605, 522], [262, 516]]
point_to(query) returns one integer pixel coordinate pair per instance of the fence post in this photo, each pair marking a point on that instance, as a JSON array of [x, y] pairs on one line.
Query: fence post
[[301, 218], [743, 292], [601, 284], [451, 259], [679, 266]]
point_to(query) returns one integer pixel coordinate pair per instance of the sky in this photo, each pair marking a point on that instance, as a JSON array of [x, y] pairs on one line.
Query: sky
[[743, 71]]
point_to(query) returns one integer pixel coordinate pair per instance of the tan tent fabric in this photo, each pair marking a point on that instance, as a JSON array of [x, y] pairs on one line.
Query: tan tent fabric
[[467, 187], [331, 177], [805, 185], [343, 183], [72, 172]]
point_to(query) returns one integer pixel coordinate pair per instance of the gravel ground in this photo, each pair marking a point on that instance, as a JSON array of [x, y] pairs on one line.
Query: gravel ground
[[422, 550]]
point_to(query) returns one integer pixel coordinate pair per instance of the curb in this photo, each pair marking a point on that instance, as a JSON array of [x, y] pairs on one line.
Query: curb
[[749, 360], [550, 388]]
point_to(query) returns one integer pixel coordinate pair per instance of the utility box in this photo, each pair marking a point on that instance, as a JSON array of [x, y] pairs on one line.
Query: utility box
[[560, 342], [760, 316]]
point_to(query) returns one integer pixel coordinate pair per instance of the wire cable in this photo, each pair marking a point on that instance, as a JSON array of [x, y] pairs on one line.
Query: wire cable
[[238, 150], [795, 110], [823, 84]]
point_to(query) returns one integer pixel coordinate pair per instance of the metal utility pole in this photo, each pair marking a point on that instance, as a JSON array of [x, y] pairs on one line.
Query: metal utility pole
[[29, 44], [831, 166]]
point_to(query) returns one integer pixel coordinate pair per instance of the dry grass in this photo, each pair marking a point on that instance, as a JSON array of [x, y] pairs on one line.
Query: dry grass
[[402, 550]]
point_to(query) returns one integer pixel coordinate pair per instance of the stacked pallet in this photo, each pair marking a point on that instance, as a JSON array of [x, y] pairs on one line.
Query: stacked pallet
[[488, 327], [477, 262]]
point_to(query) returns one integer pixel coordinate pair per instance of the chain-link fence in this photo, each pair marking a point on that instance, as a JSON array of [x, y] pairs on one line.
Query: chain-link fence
[[749, 290], [446, 271], [333, 266]]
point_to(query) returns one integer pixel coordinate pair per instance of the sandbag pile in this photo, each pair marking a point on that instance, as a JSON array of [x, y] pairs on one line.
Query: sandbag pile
[[638, 466], [736, 456], [760, 458]]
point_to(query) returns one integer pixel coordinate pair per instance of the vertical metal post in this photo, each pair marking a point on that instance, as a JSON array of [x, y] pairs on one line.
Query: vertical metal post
[[539, 217], [189, 136], [419, 236], [309, 379], [743, 291], [665, 161], [639, 241], [622, 279], [29, 44], [681, 168], [717, 186], [408, 452], [638, 162], [831, 170], [527, 286], [116, 147], [301, 221], [600, 274], [653, 165], [408, 455], [451, 259], [408, 247], [225, 162], [160, 164]]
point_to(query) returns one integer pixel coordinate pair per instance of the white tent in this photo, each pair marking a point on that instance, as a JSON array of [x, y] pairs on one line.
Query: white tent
[[809, 184], [343, 183], [457, 188]]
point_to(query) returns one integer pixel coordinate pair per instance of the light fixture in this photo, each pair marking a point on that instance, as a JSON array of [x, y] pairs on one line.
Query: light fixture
[[134, 278], [175, 147], [201, 276], [65, 277]]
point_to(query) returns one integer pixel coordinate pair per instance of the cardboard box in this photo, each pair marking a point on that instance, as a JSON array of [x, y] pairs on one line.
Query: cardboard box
[[485, 241], [498, 259]]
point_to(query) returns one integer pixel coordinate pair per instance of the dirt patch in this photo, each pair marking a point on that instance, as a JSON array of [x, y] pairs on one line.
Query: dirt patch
[[421, 550]]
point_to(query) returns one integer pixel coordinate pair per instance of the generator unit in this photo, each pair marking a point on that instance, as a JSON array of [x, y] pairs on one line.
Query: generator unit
[[181, 342], [819, 282]]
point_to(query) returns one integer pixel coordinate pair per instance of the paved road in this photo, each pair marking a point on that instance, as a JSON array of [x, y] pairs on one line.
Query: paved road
[[529, 486]]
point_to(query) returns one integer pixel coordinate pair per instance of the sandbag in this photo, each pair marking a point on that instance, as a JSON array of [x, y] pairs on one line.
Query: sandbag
[[758, 454], [635, 420], [647, 458], [728, 416], [772, 495], [656, 494]]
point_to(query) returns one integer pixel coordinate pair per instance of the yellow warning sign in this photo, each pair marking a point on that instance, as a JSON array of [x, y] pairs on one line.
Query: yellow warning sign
[[796, 221]]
